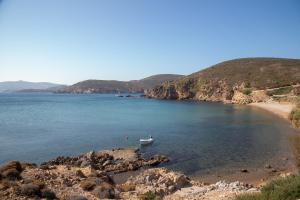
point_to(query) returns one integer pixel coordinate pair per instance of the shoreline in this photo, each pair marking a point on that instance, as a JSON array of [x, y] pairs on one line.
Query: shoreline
[[282, 110]]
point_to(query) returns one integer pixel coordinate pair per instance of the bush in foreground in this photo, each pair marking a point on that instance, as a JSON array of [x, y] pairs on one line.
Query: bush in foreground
[[281, 189], [295, 117]]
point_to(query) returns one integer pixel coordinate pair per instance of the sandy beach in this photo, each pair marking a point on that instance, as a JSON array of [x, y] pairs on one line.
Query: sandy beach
[[280, 109]]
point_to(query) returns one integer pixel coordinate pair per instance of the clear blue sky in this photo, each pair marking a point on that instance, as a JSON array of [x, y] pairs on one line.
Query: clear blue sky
[[66, 41]]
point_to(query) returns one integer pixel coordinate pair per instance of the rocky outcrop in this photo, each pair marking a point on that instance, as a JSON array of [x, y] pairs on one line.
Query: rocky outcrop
[[105, 161], [233, 81], [240, 98], [66, 178], [87, 176], [159, 181], [165, 184], [218, 191]]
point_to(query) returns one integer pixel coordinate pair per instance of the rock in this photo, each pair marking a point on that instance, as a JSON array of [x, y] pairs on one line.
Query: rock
[[11, 174], [38, 183], [80, 174], [84, 163], [67, 182], [48, 194], [76, 197], [87, 185], [4, 185], [240, 98], [108, 162], [12, 165], [26, 165], [172, 188], [30, 190], [244, 170], [126, 187], [11, 170], [103, 176], [181, 181], [104, 191]]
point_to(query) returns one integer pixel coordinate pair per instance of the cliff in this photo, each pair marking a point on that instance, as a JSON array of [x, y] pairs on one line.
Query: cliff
[[238, 81]]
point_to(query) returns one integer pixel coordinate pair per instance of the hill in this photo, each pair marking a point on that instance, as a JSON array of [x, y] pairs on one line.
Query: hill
[[15, 86], [112, 86], [226, 80]]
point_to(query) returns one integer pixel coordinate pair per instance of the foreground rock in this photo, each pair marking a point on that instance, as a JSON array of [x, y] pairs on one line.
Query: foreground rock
[[87, 176], [170, 185], [91, 176]]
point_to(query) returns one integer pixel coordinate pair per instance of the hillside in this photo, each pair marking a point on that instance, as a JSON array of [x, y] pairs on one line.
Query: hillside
[[112, 86], [231, 80], [15, 86]]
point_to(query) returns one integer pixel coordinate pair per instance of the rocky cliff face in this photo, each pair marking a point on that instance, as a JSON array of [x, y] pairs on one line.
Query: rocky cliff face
[[238, 81]]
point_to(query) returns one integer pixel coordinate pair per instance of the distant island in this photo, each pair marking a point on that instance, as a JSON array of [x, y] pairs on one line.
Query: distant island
[[25, 86]]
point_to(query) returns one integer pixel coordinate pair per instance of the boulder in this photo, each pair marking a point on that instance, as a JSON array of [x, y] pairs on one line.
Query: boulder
[[11, 174], [48, 194], [12, 165], [88, 184], [11, 170], [80, 174], [104, 191], [30, 190]]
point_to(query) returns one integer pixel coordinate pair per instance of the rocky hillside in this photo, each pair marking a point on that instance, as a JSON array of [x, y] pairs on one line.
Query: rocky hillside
[[106, 86], [238, 81]]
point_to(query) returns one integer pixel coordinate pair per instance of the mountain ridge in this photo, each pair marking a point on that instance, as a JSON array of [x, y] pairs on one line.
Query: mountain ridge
[[15, 86], [114, 86]]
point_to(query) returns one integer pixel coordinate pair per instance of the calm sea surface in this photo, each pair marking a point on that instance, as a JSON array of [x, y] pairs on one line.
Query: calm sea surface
[[197, 136]]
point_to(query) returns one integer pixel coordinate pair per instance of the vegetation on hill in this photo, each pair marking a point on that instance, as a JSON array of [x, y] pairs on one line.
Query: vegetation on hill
[[295, 115], [112, 86], [220, 81], [282, 189]]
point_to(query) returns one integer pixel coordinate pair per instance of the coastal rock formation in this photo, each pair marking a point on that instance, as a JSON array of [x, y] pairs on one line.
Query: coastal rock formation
[[237, 81], [169, 185], [240, 98], [67, 178], [218, 191], [159, 181], [106, 162], [87, 176]]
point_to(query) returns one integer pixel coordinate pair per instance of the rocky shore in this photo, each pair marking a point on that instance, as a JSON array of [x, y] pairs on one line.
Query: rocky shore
[[91, 176]]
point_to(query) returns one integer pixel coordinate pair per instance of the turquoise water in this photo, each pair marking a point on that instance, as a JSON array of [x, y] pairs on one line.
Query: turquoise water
[[197, 136]]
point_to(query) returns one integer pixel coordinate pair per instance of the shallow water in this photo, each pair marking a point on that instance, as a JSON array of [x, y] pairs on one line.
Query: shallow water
[[197, 136]]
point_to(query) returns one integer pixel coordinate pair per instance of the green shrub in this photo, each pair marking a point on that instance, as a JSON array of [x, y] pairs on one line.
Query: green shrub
[[281, 189], [295, 116], [280, 91], [294, 140], [150, 196], [246, 91], [249, 197]]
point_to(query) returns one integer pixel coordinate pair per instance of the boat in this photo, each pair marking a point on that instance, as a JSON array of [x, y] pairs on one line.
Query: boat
[[119, 95], [146, 141]]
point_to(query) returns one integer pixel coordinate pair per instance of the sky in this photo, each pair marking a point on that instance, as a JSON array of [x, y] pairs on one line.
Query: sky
[[66, 41]]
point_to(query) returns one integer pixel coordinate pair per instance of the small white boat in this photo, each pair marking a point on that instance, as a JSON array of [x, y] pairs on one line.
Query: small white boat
[[146, 141]]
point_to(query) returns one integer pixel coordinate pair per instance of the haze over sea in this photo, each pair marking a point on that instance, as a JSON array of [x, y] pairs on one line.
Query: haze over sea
[[195, 135]]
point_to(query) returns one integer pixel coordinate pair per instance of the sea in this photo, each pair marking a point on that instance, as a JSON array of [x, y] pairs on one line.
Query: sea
[[197, 136]]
